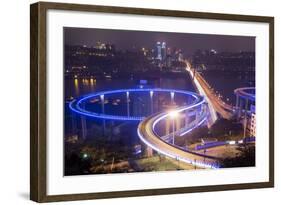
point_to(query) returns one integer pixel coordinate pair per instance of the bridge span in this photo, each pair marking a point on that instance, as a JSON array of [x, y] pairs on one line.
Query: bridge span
[[163, 144], [147, 133], [216, 105]]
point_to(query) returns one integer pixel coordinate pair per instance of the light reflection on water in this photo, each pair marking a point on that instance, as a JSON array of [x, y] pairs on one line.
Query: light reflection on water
[[77, 87]]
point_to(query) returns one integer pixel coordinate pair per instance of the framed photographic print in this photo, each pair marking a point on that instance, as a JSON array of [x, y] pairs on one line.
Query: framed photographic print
[[134, 102]]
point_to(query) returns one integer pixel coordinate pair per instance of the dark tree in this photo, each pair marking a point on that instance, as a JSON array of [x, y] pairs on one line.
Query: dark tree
[[224, 127], [247, 158]]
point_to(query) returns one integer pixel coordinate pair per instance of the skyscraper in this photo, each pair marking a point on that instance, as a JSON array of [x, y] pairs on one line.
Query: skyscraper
[[164, 51], [158, 49]]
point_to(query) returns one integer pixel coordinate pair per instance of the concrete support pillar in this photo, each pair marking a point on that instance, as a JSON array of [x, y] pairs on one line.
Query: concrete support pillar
[[128, 103], [102, 103], [239, 108], [178, 122], [172, 98], [246, 105], [237, 101], [149, 152], [83, 125], [246, 118], [186, 119], [245, 122], [102, 110], [151, 102], [167, 127]]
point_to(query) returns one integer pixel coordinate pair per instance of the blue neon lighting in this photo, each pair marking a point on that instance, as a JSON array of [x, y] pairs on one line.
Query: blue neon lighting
[[75, 105], [246, 93]]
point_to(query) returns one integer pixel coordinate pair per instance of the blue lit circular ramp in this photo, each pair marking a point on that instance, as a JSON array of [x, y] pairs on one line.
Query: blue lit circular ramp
[[163, 144], [246, 93]]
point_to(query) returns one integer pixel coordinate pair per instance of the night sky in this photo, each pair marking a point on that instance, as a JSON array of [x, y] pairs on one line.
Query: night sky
[[124, 39]]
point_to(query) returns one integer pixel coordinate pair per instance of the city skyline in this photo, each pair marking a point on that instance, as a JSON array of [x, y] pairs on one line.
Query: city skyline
[[188, 42]]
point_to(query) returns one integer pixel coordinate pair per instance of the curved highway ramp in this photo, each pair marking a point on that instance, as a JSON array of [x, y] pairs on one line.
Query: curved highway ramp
[[151, 139]]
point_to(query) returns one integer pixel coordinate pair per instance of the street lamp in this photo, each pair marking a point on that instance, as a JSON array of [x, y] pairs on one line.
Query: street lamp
[[173, 114], [85, 156]]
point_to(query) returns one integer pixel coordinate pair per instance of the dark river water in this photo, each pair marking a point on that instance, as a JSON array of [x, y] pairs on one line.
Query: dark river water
[[75, 88], [225, 83]]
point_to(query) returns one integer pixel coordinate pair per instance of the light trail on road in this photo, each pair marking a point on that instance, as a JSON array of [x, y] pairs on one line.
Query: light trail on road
[[146, 126], [213, 113]]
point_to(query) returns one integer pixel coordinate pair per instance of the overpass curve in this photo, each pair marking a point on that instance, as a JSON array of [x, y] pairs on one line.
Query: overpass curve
[[148, 135], [146, 127]]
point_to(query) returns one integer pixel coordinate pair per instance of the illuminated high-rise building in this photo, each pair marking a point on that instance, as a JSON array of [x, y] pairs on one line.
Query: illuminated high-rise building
[[164, 51], [158, 49]]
